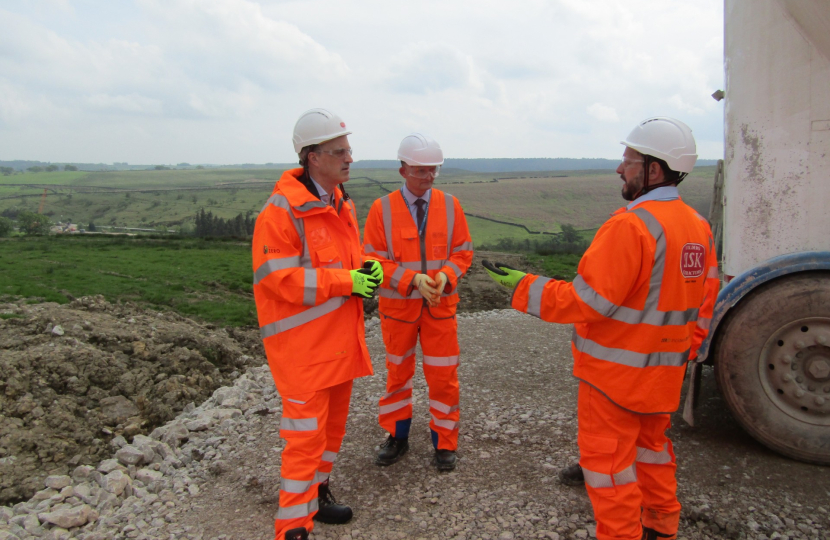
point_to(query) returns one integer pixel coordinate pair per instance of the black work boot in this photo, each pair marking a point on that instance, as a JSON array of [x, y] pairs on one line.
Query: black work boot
[[328, 511], [300, 533], [445, 460], [651, 534], [572, 475], [391, 451]]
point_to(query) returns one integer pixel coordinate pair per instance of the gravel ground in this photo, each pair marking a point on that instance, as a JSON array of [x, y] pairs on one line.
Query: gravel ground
[[213, 473]]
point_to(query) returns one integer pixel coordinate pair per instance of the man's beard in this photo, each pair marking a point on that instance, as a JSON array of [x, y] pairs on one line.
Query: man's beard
[[631, 190]]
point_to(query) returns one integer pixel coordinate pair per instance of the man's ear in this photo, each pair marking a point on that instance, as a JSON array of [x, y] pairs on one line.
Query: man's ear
[[655, 173], [401, 170]]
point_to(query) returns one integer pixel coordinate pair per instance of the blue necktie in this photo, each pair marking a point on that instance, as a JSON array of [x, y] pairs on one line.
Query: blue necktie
[[419, 213]]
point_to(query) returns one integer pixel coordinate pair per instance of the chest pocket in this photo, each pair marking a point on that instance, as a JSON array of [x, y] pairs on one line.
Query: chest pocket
[[409, 247], [439, 246], [328, 257]]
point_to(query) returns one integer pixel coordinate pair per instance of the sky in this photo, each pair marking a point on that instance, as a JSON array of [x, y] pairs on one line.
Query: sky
[[224, 81]]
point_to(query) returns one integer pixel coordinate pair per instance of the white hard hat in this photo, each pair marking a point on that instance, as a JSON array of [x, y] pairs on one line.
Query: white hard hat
[[667, 139], [317, 126], [420, 150]]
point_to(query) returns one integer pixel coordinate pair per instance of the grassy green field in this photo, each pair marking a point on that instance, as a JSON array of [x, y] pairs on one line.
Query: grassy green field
[[203, 278], [212, 279], [170, 199]]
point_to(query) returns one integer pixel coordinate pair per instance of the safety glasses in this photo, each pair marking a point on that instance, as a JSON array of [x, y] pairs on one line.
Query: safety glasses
[[626, 163], [424, 172], [339, 153]]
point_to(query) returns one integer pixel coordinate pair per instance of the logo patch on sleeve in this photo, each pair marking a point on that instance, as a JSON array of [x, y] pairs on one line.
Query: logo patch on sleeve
[[692, 260]]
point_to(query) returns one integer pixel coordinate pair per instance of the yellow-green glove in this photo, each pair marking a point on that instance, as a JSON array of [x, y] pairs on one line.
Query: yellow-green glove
[[363, 283], [503, 274], [375, 268]]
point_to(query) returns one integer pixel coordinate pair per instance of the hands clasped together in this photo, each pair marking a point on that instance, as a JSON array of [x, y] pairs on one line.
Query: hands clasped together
[[430, 288]]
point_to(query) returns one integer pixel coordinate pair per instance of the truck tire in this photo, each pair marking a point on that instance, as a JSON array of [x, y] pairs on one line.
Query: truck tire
[[772, 362]]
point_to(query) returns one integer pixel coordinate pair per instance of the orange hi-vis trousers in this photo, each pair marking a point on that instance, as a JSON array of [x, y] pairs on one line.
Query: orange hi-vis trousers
[[629, 468], [439, 342], [313, 425]]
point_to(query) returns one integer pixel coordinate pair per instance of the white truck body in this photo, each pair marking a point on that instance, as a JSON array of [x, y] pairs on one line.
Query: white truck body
[[777, 130], [770, 332]]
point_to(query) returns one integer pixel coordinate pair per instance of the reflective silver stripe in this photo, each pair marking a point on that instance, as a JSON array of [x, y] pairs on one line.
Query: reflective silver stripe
[[630, 358], [596, 301], [449, 202], [656, 230], [416, 266], [442, 407], [310, 287], [295, 486], [626, 476], [298, 424], [395, 359], [337, 264], [446, 424], [386, 214], [305, 259], [353, 209], [384, 254], [597, 480], [301, 318], [455, 269], [309, 205], [329, 456], [389, 293], [441, 361], [392, 407], [644, 455], [296, 401], [299, 225], [280, 202], [608, 309], [298, 510], [534, 296], [320, 477], [272, 265], [396, 278], [405, 387], [466, 246], [703, 323], [713, 272], [369, 248]]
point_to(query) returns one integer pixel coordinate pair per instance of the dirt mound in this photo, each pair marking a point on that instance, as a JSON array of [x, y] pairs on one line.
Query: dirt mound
[[75, 376]]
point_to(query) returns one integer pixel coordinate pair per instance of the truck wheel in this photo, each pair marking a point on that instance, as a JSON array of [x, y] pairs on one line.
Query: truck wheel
[[772, 362]]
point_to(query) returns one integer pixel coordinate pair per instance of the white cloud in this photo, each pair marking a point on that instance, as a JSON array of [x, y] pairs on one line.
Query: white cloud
[[132, 104], [223, 81], [427, 67], [603, 113]]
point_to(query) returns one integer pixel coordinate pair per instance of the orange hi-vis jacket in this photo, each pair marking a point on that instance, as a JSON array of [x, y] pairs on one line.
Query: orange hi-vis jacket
[[391, 236], [311, 326], [641, 303]]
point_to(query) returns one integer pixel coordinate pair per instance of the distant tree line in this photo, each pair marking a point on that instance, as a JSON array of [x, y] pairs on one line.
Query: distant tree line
[[27, 222], [208, 225], [567, 241], [47, 168]]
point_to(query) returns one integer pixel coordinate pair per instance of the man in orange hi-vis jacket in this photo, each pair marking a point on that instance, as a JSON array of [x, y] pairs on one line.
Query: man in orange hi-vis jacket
[[420, 235], [308, 285], [640, 304]]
